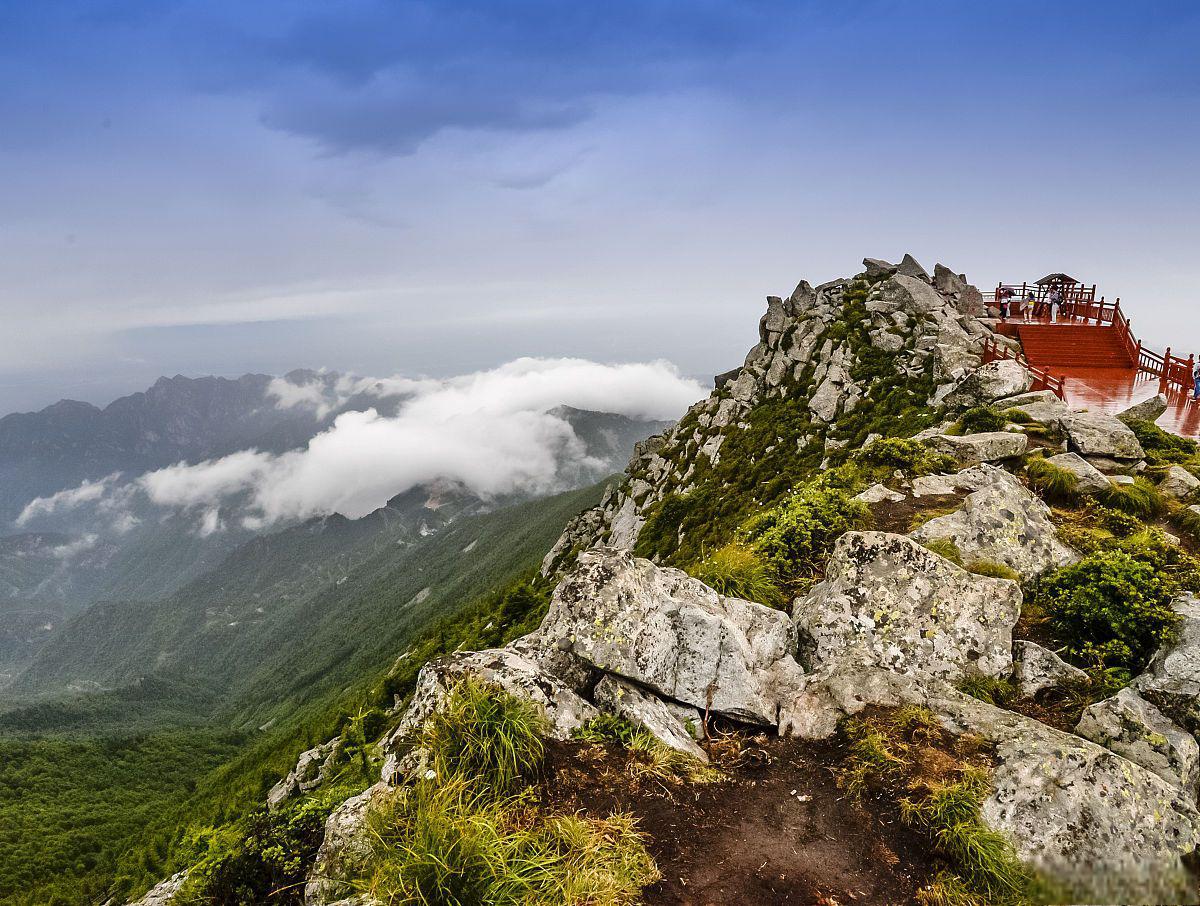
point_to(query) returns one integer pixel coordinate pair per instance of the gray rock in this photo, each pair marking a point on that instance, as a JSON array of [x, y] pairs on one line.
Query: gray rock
[[343, 850], [1088, 479], [1003, 522], [1172, 680], [517, 674], [888, 603], [1179, 483], [877, 267], [312, 767], [1033, 397], [993, 381], [1135, 729], [877, 493], [1107, 827], [908, 267], [676, 636], [1147, 410], [1096, 434], [626, 700], [946, 281], [990, 446], [1036, 668], [163, 893]]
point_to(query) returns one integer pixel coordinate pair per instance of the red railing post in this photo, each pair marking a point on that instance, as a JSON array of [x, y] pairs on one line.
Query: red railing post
[[1166, 370]]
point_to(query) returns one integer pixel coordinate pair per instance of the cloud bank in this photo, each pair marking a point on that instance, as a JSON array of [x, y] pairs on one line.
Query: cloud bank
[[494, 431]]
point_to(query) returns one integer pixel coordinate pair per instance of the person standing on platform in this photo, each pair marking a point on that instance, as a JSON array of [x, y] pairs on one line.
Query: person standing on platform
[[1006, 295], [1196, 381]]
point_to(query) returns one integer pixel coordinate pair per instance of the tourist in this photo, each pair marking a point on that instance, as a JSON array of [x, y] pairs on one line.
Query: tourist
[[1054, 303], [1030, 303], [1006, 295], [1196, 381]]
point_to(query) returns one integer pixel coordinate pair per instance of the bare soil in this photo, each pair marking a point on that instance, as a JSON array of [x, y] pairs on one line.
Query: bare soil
[[778, 830]]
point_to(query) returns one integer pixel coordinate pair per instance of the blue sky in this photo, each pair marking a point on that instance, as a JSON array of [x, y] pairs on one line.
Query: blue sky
[[419, 187]]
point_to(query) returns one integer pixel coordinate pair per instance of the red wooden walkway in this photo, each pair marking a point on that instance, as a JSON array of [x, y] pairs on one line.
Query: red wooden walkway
[[1090, 357]]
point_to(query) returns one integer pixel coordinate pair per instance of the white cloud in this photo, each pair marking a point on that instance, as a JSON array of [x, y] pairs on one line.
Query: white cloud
[[87, 492], [492, 431]]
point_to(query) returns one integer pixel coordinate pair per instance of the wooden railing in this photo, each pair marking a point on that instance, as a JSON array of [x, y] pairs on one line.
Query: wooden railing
[[1077, 293], [1042, 379]]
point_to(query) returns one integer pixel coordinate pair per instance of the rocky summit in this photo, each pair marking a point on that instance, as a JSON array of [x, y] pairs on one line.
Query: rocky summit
[[874, 622]]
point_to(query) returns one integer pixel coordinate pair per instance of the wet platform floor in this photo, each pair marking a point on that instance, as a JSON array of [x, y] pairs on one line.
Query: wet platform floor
[[1111, 390]]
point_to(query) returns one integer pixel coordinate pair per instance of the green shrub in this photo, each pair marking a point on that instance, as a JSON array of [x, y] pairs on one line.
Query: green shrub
[[910, 456], [1018, 416], [652, 756], [1162, 447], [1110, 609], [990, 689], [1189, 521], [980, 419], [740, 572], [1120, 523], [795, 538], [447, 843], [1054, 483], [485, 735], [1139, 499]]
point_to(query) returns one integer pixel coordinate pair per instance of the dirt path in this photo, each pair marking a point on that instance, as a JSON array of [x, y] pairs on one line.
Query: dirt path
[[777, 832]]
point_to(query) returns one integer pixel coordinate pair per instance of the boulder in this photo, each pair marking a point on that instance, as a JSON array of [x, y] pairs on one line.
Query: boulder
[[1179, 483], [517, 674], [1003, 522], [674, 635], [877, 493], [1109, 829], [1033, 397], [1147, 410], [1036, 668], [1096, 434], [163, 893], [620, 697], [990, 446], [908, 267], [1172, 680], [1088, 479], [946, 281], [343, 850], [877, 267], [1135, 729], [312, 767], [888, 603], [993, 381]]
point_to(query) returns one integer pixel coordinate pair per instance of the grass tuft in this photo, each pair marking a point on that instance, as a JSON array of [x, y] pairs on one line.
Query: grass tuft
[[992, 569], [993, 690], [1140, 499], [1051, 482], [945, 548], [739, 572]]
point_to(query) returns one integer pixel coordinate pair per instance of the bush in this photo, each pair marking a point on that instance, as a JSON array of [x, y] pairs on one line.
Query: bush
[[485, 735], [1139, 499], [905, 454], [795, 538], [1120, 523], [446, 843], [1054, 483], [738, 571], [1110, 609], [980, 419], [1162, 447]]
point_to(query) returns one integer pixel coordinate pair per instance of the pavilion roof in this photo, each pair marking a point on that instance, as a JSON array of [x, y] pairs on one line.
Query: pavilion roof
[[1056, 278]]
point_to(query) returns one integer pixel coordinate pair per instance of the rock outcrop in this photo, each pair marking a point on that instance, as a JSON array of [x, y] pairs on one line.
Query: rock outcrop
[[889, 604], [1094, 434], [1179, 484], [1088, 479], [1147, 410], [312, 767], [1036, 668], [993, 381], [1172, 681], [990, 446], [1001, 521], [672, 634], [1135, 729], [163, 893], [344, 848]]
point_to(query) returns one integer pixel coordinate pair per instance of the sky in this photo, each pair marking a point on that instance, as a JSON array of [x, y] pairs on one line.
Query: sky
[[437, 188]]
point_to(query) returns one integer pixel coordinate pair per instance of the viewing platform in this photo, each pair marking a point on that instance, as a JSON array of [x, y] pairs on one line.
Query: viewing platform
[[1084, 349]]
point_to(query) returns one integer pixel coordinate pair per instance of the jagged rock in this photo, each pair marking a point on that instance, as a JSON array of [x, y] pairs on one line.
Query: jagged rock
[[1172, 680], [1021, 400], [877, 267], [565, 710], [626, 700], [993, 381], [877, 493], [312, 767], [831, 694], [343, 850], [1036, 668], [1003, 522], [1109, 828], [990, 446], [1088, 479], [889, 603], [673, 634], [163, 893], [908, 267], [1179, 483], [1135, 729], [1095, 434], [946, 281], [970, 302], [1147, 410]]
